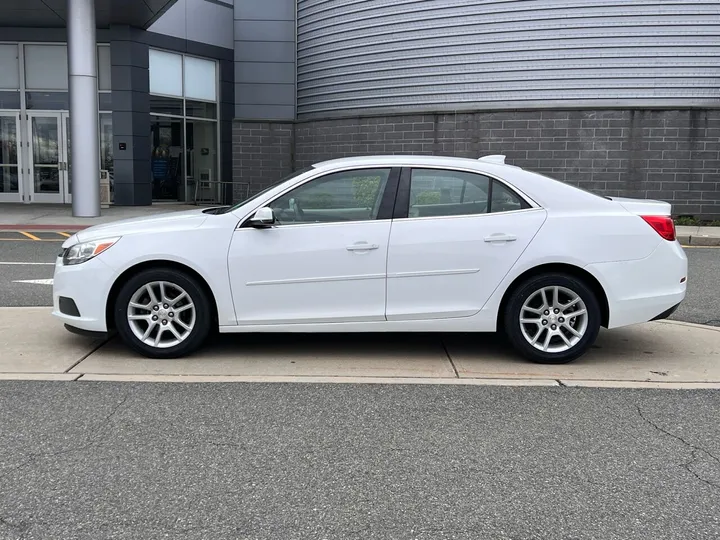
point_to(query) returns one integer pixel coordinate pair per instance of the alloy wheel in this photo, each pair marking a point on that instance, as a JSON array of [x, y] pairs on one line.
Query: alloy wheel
[[161, 314], [553, 319]]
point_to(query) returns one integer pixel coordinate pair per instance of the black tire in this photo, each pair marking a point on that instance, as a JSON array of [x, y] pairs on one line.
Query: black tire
[[521, 293], [203, 313]]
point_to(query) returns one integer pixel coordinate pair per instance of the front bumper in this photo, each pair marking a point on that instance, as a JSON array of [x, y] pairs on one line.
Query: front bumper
[[87, 286]]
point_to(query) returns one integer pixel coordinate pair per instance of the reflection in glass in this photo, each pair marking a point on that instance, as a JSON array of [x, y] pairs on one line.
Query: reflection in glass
[[8, 179], [106, 150], [8, 155], [45, 154], [45, 140], [47, 101], [47, 180], [166, 148], [165, 105], [9, 100], [105, 101], [200, 109], [202, 161], [69, 161]]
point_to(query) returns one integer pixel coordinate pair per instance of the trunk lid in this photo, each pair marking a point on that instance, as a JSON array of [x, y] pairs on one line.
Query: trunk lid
[[644, 207]]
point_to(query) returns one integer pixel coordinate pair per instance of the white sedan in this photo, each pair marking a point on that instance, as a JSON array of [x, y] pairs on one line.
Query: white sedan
[[381, 244]]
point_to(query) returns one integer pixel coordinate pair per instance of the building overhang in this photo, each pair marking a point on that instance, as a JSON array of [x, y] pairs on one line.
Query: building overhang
[[53, 13]]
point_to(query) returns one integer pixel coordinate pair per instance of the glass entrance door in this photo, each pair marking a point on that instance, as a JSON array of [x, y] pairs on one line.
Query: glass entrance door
[[10, 157], [49, 170]]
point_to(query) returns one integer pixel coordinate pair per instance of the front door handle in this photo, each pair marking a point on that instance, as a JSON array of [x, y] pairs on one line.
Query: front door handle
[[500, 237], [361, 247]]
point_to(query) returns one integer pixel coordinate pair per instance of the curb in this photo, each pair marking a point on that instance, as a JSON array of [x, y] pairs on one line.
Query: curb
[[700, 240]]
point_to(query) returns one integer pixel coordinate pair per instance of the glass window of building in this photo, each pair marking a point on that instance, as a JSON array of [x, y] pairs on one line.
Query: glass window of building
[[35, 145], [184, 127]]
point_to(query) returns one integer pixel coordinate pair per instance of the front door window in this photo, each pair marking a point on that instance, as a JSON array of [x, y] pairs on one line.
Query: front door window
[[343, 196]]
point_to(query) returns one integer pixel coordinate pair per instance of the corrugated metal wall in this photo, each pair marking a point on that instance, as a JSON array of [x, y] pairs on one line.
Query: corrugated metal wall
[[377, 56]]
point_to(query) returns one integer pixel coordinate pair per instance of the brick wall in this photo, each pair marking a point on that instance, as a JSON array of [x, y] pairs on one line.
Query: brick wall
[[668, 155], [262, 154]]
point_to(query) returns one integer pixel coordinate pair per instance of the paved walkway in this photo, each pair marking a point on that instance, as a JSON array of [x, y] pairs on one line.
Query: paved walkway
[[662, 355], [33, 217]]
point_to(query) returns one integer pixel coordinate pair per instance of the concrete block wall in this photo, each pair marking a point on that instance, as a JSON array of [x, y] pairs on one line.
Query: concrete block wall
[[671, 155], [262, 155]]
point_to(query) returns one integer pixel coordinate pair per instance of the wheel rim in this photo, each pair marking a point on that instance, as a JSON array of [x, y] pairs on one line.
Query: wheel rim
[[553, 319], [161, 314]]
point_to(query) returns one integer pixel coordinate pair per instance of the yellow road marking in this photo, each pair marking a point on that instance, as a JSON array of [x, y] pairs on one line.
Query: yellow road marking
[[30, 240], [66, 235], [30, 236], [702, 247]]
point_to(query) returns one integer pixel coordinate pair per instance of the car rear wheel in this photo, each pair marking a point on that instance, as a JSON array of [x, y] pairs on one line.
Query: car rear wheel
[[552, 318], [162, 313]]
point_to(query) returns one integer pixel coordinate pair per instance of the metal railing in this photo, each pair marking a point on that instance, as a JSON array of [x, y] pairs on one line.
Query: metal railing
[[211, 191]]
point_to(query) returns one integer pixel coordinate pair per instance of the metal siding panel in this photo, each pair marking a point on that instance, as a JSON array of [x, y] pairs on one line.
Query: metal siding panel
[[265, 30], [265, 55], [390, 55], [265, 72]]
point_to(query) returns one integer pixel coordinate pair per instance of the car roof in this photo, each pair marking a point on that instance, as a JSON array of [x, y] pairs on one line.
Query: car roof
[[545, 191], [410, 160]]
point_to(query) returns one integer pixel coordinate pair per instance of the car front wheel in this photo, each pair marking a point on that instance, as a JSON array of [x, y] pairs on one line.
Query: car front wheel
[[162, 313], [552, 318]]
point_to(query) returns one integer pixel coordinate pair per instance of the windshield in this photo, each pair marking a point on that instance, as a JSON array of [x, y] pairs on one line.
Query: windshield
[[253, 197]]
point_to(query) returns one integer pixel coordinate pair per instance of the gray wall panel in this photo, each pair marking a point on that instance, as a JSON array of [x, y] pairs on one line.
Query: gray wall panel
[[372, 56], [265, 112], [252, 30], [202, 21], [265, 53], [265, 10], [261, 72]]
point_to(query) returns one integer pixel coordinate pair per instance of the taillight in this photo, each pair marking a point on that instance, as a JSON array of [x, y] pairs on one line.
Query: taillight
[[663, 225]]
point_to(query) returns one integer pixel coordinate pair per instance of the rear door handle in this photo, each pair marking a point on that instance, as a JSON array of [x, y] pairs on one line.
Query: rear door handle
[[500, 237], [361, 247]]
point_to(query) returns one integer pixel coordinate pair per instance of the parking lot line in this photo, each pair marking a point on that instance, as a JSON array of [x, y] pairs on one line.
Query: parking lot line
[[31, 240], [66, 235], [30, 236]]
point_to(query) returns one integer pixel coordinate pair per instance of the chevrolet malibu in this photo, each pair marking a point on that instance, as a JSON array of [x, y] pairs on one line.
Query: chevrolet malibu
[[381, 244]]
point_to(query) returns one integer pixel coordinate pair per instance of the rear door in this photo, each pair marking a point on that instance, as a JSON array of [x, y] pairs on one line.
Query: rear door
[[455, 235]]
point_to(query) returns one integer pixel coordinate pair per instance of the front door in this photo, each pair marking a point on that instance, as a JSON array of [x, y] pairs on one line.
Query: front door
[[49, 157], [325, 258], [10, 186]]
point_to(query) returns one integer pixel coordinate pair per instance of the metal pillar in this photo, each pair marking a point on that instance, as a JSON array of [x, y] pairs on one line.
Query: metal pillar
[[84, 136]]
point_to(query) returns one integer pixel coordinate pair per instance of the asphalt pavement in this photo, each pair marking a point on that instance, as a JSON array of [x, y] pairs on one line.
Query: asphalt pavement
[[88, 460], [702, 304], [96, 460]]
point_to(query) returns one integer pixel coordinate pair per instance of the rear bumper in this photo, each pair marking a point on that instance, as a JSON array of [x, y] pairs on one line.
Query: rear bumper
[[646, 289], [665, 314]]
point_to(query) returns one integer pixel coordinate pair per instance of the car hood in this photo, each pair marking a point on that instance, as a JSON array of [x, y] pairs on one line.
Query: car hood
[[188, 219]]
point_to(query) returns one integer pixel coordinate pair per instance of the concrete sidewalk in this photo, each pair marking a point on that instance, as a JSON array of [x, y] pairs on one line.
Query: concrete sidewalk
[[659, 355], [34, 217]]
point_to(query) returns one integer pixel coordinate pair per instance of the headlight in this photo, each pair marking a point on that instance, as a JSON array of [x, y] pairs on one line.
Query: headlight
[[79, 253]]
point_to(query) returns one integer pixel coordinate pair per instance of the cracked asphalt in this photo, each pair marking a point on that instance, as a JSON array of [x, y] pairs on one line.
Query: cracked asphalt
[[86, 460]]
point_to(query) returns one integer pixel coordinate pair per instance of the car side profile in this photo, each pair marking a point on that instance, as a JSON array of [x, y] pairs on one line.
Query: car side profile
[[381, 244]]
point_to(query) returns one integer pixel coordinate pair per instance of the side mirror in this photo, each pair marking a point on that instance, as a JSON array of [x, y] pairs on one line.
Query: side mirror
[[263, 218]]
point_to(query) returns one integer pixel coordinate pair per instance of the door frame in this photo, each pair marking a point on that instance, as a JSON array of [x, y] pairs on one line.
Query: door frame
[[19, 196], [63, 194]]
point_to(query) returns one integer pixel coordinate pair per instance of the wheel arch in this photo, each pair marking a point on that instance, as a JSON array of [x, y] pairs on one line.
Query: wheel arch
[[155, 264], [559, 268]]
